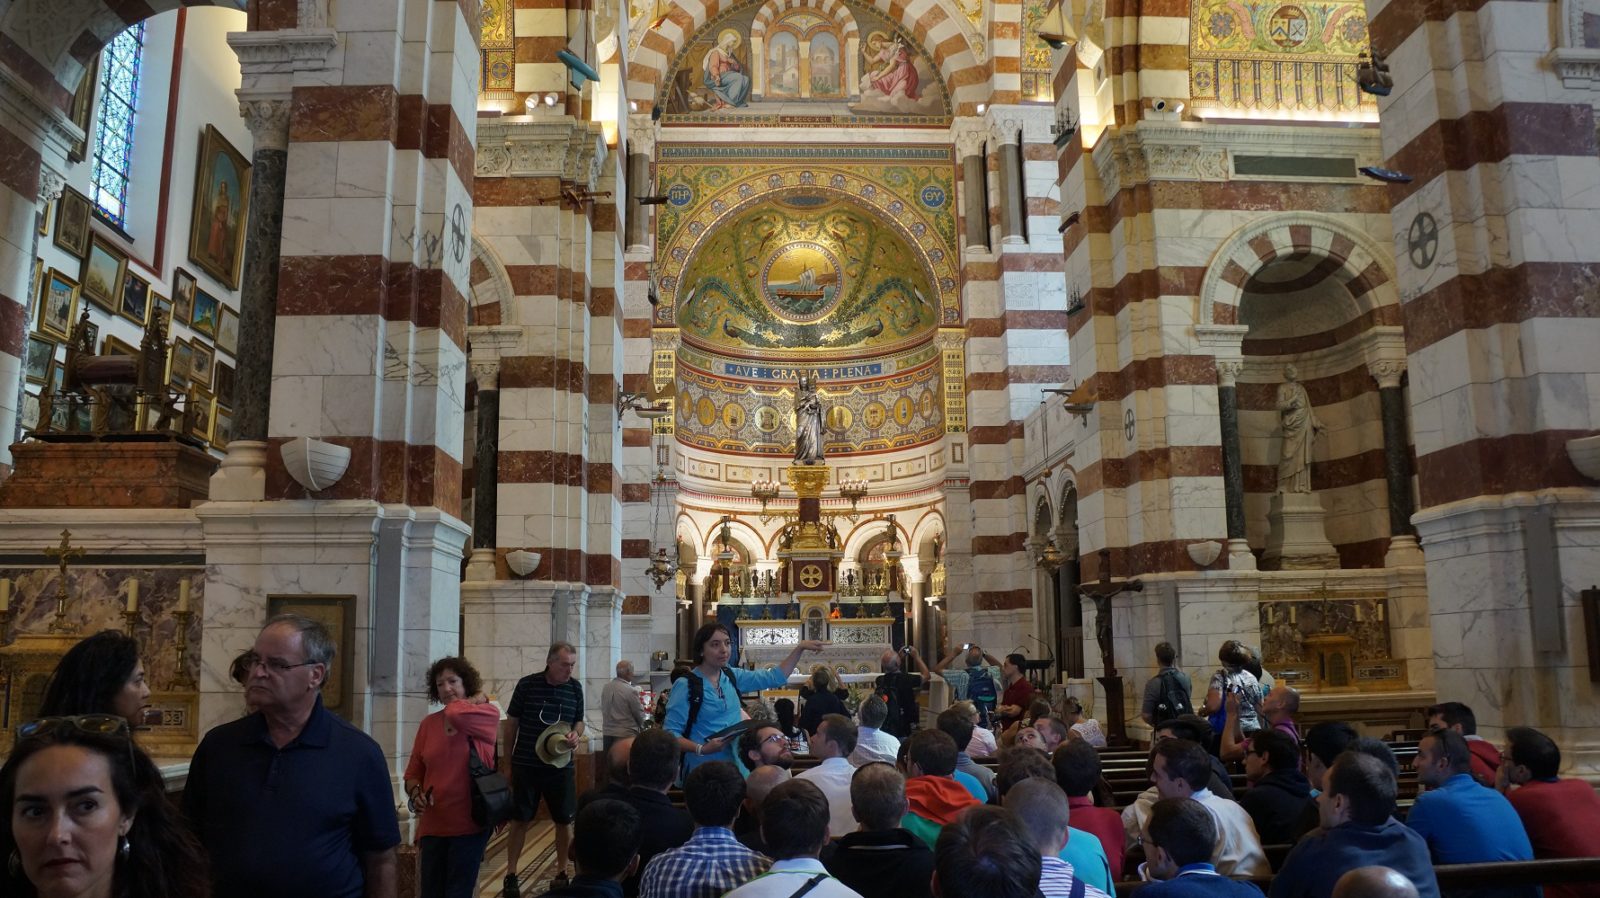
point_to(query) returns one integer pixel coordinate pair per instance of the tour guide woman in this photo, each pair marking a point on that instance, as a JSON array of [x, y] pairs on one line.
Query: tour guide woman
[[719, 703]]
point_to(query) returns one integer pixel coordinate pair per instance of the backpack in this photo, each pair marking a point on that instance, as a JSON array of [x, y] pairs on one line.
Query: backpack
[[697, 694], [1171, 701], [980, 685]]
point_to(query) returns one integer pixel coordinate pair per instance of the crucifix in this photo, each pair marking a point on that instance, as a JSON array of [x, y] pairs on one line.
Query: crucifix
[[1101, 593], [63, 554]]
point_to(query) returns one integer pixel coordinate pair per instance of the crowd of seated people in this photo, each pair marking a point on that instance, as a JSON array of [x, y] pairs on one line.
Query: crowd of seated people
[[290, 800]]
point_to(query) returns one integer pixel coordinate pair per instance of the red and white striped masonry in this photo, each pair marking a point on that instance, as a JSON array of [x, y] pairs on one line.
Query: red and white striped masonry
[[1504, 160], [371, 328]]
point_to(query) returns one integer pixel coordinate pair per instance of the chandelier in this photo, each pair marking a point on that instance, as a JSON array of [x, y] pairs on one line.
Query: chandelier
[[661, 567]]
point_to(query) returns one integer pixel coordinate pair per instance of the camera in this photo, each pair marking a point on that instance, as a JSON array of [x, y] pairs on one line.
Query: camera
[[966, 646]]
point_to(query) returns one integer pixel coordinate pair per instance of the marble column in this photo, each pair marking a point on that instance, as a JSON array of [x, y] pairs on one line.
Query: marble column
[[242, 476], [1239, 556], [1403, 548], [970, 142], [1005, 135], [486, 469]]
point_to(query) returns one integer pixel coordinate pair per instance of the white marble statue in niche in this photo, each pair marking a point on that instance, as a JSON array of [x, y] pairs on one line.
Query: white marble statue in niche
[[1301, 427]]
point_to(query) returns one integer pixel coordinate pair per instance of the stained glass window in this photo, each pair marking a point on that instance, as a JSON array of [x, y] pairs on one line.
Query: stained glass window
[[113, 137]]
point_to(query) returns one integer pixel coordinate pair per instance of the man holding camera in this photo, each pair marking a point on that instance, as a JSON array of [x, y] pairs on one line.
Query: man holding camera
[[976, 679], [899, 689]]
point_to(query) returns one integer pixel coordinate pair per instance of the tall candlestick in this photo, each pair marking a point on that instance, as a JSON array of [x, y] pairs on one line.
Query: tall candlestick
[[133, 596], [183, 595], [5, 595]]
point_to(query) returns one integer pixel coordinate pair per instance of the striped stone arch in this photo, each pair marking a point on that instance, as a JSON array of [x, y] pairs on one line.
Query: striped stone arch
[[834, 10], [943, 31], [489, 286], [53, 42], [928, 526], [864, 534], [1364, 266]]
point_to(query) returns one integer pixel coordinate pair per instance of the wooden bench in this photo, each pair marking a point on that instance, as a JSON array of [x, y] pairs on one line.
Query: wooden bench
[[1453, 876]]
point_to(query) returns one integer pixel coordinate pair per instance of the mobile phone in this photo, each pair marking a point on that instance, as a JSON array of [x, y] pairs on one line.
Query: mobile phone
[[966, 646]]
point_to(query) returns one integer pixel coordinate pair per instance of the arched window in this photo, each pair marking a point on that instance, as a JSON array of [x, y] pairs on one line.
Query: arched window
[[113, 133]]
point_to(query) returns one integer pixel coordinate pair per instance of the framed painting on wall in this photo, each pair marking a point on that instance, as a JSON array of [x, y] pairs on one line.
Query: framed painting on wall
[[72, 223], [30, 411], [201, 360], [222, 378], [221, 426], [36, 366], [115, 346], [203, 403], [182, 296], [182, 359], [206, 307], [221, 194], [228, 331], [135, 298], [58, 305], [103, 269], [337, 613], [160, 305]]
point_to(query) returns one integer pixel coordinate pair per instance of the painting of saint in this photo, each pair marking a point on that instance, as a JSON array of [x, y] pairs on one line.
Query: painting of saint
[[725, 76], [783, 66], [216, 228], [896, 78], [891, 70], [825, 78]]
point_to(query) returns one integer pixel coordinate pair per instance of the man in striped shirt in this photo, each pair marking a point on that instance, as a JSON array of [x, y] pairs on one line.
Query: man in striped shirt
[[1041, 807], [540, 701], [713, 861]]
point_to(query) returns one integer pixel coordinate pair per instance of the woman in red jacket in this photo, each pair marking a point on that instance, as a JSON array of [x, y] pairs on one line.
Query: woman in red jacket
[[449, 842]]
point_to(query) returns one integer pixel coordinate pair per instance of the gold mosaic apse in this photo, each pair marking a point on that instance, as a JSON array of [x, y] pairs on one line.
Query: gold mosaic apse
[[806, 276]]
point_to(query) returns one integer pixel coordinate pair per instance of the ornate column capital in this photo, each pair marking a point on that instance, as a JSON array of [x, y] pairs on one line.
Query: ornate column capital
[[267, 117], [1387, 372], [642, 135], [51, 184], [970, 135], [486, 372], [1228, 372]]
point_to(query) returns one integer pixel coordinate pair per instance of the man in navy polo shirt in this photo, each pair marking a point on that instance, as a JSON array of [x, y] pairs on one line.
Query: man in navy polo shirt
[[540, 701], [292, 800]]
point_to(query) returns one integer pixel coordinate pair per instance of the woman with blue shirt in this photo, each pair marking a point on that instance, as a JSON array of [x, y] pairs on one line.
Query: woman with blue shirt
[[719, 703]]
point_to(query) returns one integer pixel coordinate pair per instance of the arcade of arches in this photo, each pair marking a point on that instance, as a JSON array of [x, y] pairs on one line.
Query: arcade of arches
[[524, 355]]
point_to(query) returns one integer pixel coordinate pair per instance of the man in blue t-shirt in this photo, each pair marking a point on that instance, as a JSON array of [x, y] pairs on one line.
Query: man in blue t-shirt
[[1465, 822], [292, 800]]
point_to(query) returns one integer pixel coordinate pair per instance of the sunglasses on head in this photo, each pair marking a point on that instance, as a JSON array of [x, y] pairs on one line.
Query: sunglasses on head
[[94, 724]]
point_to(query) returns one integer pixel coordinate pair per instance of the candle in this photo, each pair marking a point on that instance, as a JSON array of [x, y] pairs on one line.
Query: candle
[[133, 596], [5, 595], [183, 595], [1294, 615], [1361, 612]]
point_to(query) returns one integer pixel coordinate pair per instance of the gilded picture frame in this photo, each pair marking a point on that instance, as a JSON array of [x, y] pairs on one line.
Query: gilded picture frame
[[337, 613], [220, 210]]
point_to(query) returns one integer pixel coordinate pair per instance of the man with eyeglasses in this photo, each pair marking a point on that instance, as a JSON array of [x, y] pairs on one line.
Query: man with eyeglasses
[[292, 800], [764, 746]]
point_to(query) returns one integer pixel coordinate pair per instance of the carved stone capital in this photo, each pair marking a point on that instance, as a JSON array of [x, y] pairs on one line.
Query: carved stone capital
[[970, 136], [1387, 372], [642, 135], [951, 338], [486, 373], [267, 117], [51, 184], [21, 104], [546, 147], [1228, 372]]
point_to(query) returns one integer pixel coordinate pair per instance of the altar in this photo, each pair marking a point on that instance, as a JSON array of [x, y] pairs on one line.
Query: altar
[[853, 645]]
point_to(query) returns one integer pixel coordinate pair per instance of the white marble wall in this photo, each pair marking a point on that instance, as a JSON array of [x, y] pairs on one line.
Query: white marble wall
[[1486, 653]]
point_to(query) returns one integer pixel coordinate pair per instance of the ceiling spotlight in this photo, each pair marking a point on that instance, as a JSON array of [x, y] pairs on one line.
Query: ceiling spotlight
[[982, 108], [1388, 175], [552, 98], [633, 105]]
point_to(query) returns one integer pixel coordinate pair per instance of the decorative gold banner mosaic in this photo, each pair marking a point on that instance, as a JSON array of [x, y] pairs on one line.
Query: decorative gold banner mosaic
[[498, 47], [1277, 57]]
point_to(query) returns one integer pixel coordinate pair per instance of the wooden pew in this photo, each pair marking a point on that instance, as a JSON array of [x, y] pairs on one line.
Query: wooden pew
[[1453, 876]]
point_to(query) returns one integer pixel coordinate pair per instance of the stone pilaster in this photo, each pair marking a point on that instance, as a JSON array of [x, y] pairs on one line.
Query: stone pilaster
[[485, 466], [1239, 556], [1006, 137]]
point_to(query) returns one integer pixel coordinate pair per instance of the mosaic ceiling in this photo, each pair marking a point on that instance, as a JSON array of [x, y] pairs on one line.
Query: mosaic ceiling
[[806, 275], [1275, 57]]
